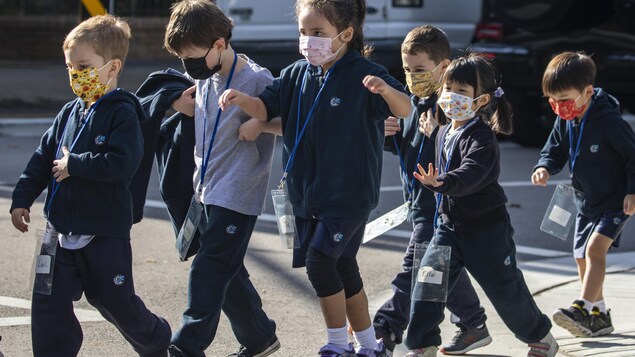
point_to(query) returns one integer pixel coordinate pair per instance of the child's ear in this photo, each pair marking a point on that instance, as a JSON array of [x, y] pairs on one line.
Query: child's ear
[[220, 44], [483, 100], [444, 65], [115, 68], [588, 92], [347, 34]]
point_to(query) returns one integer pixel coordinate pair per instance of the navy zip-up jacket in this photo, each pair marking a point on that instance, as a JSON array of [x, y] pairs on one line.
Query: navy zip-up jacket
[[337, 168], [409, 140], [605, 167], [472, 196], [95, 199]]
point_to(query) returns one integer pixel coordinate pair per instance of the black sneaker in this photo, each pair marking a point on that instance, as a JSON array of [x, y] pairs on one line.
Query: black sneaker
[[383, 332], [601, 322], [574, 319], [466, 340], [269, 348]]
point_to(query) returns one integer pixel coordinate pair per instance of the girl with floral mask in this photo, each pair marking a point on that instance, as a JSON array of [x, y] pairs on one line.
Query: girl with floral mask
[[332, 105], [471, 215]]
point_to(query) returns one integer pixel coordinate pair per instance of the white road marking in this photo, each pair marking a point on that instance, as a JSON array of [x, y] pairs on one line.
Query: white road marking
[[82, 314]]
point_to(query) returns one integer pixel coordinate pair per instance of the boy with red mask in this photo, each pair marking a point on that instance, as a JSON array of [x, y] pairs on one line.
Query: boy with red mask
[[599, 145]]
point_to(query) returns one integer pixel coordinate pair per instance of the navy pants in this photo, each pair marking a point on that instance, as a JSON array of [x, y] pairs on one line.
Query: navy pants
[[219, 281], [489, 254], [102, 270], [462, 300]]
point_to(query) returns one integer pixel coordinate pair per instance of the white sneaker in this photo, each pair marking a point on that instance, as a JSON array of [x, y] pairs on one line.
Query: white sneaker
[[430, 351], [547, 347]]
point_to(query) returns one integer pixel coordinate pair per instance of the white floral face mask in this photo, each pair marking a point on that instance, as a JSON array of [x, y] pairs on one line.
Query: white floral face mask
[[317, 50], [457, 106]]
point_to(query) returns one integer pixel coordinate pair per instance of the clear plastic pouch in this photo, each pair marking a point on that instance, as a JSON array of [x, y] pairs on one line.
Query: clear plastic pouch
[[44, 260], [386, 222], [561, 212], [189, 228], [431, 273], [285, 218]]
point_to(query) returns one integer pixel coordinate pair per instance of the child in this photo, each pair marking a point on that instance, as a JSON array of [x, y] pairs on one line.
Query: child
[[590, 133], [332, 106], [230, 181], [473, 219], [86, 159], [424, 53]]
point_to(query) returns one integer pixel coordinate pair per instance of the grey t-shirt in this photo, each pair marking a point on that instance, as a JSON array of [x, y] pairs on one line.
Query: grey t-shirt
[[238, 171]]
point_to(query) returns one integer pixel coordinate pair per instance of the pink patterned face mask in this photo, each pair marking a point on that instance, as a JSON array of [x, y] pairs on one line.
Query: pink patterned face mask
[[317, 50], [457, 106]]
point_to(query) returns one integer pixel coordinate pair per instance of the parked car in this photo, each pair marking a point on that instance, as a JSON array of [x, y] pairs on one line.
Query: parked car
[[267, 31], [522, 36]]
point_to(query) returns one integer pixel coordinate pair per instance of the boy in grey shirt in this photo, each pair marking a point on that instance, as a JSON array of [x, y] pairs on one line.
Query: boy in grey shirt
[[233, 157]]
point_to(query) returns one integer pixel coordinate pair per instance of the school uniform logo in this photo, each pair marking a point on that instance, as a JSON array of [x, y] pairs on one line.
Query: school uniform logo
[[335, 102], [100, 139], [594, 148], [508, 260], [231, 229], [337, 237], [617, 221], [119, 279]]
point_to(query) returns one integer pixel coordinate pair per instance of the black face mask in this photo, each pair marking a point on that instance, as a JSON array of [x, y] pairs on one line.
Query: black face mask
[[197, 67]]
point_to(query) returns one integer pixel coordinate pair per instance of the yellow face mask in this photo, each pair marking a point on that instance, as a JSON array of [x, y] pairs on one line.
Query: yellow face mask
[[421, 83], [86, 85]]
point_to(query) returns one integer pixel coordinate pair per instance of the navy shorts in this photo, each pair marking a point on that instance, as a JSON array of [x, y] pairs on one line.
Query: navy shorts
[[609, 224], [333, 237]]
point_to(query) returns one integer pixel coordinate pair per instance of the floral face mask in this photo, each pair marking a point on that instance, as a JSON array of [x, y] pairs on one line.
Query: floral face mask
[[457, 106], [567, 109], [86, 85], [421, 84]]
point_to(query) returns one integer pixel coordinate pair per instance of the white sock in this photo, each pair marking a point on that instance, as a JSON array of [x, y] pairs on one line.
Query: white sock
[[600, 305], [587, 305], [338, 337], [366, 338]]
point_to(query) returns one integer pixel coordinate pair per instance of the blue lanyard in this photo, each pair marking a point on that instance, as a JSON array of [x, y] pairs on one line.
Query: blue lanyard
[[205, 162], [54, 184], [574, 152], [447, 166], [409, 185], [298, 137]]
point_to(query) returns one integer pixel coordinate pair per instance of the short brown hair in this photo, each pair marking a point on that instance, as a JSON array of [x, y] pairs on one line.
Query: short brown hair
[[108, 35], [568, 70], [196, 23], [428, 39]]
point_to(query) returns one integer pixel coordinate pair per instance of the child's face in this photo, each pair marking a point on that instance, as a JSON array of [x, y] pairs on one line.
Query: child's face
[[81, 56], [312, 23], [570, 103], [211, 54], [466, 90], [421, 62]]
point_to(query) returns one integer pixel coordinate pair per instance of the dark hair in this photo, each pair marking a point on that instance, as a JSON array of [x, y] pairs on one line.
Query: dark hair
[[342, 14], [195, 23], [568, 70], [476, 71], [428, 39]]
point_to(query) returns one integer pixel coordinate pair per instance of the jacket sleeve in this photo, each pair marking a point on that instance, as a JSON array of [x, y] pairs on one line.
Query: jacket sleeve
[[37, 173], [120, 162], [623, 141], [271, 98], [554, 154], [478, 167]]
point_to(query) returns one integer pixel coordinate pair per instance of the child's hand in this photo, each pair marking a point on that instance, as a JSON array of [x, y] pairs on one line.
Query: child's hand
[[186, 102], [629, 204], [20, 217], [60, 169], [428, 178], [231, 97], [375, 85], [427, 123], [250, 129], [391, 126], [540, 176]]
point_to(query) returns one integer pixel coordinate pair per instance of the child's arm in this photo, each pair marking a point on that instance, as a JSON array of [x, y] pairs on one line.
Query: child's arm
[[253, 106], [553, 157], [397, 101], [186, 102], [252, 128], [125, 149]]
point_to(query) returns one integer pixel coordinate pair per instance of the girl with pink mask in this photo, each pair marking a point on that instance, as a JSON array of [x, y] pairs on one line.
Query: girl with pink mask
[[332, 104]]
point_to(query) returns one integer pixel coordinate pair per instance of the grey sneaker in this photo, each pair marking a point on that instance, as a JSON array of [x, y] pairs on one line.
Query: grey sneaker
[[547, 347], [466, 340], [270, 347], [334, 351], [574, 319], [601, 322]]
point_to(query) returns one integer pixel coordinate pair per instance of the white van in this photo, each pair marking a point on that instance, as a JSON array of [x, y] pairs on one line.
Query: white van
[[267, 31]]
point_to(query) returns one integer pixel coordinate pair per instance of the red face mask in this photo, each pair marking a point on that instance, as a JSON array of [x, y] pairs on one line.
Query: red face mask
[[567, 109]]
